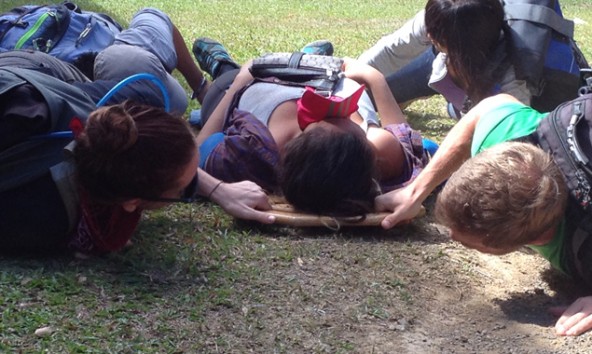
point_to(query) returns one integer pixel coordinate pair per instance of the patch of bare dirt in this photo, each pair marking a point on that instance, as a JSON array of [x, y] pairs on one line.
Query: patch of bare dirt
[[407, 290]]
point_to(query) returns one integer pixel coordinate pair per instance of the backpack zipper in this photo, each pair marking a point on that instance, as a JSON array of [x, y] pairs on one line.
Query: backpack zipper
[[25, 37], [582, 192], [84, 33]]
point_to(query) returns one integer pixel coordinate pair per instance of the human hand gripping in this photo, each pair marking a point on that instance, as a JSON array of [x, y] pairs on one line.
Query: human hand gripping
[[402, 205], [575, 319], [244, 200], [359, 72]]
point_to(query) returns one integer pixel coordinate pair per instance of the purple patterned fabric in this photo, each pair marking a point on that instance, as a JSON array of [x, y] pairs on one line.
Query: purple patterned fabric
[[248, 152], [415, 156]]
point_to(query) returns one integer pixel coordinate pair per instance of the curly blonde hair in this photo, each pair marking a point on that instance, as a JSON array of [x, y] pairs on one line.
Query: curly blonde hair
[[508, 196]]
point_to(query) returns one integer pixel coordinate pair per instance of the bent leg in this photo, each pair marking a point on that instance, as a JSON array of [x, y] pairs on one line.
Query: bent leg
[[411, 81], [216, 92]]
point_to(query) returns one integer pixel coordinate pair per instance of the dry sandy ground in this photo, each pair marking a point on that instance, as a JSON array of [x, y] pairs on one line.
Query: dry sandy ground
[[409, 290]]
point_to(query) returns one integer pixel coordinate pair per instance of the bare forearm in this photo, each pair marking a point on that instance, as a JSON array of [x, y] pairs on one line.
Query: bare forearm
[[386, 105], [185, 63], [244, 200], [454, 150], [215, 122]]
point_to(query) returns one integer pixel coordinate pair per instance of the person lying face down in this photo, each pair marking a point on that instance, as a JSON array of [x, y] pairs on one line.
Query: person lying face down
[[510, 194], [334, 165], [125, 159]]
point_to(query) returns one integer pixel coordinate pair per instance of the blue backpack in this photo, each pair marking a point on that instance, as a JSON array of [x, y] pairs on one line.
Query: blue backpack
[[544, 52], [61, 30]]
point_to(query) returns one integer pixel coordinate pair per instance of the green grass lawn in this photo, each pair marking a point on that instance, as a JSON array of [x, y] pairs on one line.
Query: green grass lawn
[[197, 281]]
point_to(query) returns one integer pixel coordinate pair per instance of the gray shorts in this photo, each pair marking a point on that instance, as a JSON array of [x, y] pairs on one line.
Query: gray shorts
[[152, 30], [146, 47]]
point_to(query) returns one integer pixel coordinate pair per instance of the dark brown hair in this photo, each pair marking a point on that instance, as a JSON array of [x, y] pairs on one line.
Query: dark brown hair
[[331, 173], [130, 150]]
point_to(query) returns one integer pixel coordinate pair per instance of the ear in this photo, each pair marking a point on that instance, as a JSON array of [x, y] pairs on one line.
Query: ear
[[131, 205]]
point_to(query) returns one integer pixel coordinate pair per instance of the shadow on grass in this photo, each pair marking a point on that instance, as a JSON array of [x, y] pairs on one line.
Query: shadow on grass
[[421, 229], [161, 261], [532, 306], [432, 126]]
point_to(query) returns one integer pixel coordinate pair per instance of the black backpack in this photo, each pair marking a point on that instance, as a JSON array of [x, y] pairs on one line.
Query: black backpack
[[567, 135], [32, 145]]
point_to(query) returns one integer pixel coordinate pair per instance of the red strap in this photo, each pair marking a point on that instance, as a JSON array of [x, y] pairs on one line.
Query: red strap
[[315, 108]]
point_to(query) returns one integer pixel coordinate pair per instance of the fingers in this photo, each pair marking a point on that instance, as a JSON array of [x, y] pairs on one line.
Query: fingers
[[557, 311], [262, 217], [390, 221], [576, 319], [574, 325], [263, 203]]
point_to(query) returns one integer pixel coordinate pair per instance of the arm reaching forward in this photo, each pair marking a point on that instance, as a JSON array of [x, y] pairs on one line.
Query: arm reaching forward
[[243, 200], [405, 203]]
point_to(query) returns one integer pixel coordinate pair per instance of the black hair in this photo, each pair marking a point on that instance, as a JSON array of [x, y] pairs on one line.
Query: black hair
[[330, 173], [470, 31]]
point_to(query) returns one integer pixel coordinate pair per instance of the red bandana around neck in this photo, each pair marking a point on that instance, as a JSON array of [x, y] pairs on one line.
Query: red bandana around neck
[[102, 228], [313, 107]]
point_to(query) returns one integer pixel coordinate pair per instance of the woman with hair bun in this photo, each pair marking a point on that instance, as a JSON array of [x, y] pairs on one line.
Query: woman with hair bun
[[125, 159]]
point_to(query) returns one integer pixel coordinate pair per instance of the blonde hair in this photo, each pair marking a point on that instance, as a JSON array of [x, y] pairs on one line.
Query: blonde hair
[[507, 196]]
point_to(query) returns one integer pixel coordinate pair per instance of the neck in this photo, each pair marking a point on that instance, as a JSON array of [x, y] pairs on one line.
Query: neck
[[546, 237]]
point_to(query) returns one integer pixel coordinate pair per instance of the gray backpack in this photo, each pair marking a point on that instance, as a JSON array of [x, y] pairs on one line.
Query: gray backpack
[[32, 145]]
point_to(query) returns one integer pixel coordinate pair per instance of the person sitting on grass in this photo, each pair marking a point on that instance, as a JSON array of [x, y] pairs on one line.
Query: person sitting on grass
[[332, 166], [509, 195]]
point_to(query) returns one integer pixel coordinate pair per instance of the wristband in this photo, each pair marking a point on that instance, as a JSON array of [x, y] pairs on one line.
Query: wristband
[[214, 189]]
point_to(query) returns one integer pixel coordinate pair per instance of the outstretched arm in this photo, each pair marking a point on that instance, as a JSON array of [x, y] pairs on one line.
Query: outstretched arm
[[386, 105], [243, 200], [215, 122], [405, 203], [575, 319]]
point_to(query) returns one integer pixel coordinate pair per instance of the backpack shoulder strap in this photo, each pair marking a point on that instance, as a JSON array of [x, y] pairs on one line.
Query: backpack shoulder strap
[[28, 159], [578, 239], [578, 242], [539, 14], [63, 175], [64, 100]]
